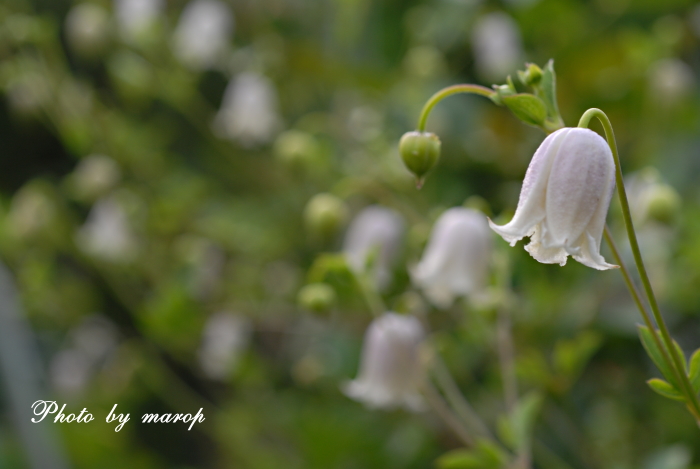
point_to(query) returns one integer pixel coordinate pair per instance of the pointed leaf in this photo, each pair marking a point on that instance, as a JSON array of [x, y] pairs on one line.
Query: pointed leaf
[[484, 455], [656, 355], [516, 429], [665, 389], [694, 373], [527, 107], [549, 88]]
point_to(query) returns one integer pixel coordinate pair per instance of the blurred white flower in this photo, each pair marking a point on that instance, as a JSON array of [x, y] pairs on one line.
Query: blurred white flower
[[564, 199], [88, 29], [69, 372], [91, 343], [670, 80], [249, 110], [94, 176], [391, 371], [497, 45], [224, 338], [31, 210], [136, 16], [106, 233], [203, 33], [456, 259], [374, 236]]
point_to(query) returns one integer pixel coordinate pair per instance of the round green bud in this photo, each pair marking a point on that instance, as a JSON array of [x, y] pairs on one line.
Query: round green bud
[[664, 204], [419, 152], [324, 215], [317, 297], [296, 148]]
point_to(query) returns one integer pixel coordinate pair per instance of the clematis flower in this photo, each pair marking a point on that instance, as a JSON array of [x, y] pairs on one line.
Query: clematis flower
[[375, 231], [249, 110], [202, 33], [390, 368], [456, 260], [224, 339], [564, 199]]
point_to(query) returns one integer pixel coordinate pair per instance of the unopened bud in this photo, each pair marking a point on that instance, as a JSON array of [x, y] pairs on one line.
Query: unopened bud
[[664, 204], [531, 76], [317, 297], [296, 148], [324, 215], [419, 152]]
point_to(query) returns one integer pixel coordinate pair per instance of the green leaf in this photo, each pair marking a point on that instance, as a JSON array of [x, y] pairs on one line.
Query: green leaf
[[570, 356], [694, 373], [548, 85], [516, 428], [665, 389], [484, 455], [656, 355], [527, 107]]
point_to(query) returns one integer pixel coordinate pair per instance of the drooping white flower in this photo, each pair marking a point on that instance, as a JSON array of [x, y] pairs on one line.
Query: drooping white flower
[[106, 233], [202, 33], [374, 235], [497, 46], [564, 199], [92, 343], [390, 367], [456, 260], [224, 337], [249, 110], [136, 16]]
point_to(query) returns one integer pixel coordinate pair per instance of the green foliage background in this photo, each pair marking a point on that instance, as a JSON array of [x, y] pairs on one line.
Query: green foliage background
[[351, 75]]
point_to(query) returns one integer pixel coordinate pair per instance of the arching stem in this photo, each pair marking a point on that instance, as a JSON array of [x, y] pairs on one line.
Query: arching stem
[[444, 93], [677, 362]]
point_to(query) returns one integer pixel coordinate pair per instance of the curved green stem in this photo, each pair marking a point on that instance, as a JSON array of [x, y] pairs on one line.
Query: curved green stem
[[638, 301], [677, 362], [444, 93]]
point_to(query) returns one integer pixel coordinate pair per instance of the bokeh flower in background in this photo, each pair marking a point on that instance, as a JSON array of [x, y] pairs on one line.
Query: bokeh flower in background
[[203, 33], [135, 17], [497, 44], [249, 110], [391, 371], [456, 260], [224, 339], [374, 239], [107, 233]]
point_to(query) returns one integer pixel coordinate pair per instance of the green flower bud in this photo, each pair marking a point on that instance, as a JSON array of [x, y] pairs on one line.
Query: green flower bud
[[317, 297], [296, 148], [324, 215], [532, 76], [419, 152], [664, 204]]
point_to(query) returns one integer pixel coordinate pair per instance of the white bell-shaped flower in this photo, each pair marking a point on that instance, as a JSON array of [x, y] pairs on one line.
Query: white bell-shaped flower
[[374, 237], [456, 260], [564, 199], [249, 110], [391, 371], [203, 33]]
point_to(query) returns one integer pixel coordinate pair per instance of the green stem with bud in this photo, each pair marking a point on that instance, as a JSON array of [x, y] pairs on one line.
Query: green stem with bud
[[449, 91], [675, 361]]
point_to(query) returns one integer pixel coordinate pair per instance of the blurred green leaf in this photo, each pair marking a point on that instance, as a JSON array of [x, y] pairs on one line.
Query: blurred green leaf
[[665, 389]]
